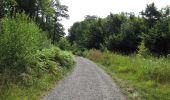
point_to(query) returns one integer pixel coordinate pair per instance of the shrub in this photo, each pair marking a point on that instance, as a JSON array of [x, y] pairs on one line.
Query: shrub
[[20, 38], [51, 60], [63, 44], [95, 55], [50, 65], [143, 51]]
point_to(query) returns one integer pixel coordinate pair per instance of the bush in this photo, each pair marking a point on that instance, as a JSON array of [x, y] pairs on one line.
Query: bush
[[50, 65], [63, 44], [20, 38], [95, 55], [142, 50], [51, 61], [78, 50]]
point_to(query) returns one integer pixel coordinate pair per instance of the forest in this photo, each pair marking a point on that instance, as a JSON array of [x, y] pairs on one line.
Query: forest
[[35, 52], [124, 32]]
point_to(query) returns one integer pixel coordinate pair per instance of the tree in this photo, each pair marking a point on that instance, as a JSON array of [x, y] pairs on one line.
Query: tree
[[124, 32], [157, 35], [114, 22], [117, 32], [96, 34], [131, 35], [151, 15], [165, 12], [6, 6], [60, 12], [47, 13], [87, 32], [157, 40], [72, 36]]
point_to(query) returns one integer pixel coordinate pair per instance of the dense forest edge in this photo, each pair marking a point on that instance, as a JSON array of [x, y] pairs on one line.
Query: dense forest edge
[[124, 32], [30, 61], [35, 53], [134, 50]]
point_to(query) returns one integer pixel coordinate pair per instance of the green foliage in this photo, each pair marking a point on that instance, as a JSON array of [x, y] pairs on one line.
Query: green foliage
[[47, 13], [49, 66], [131, 34], [123, 32], [24, 61], [19, 39], [64, 44], [143, 51], [151, 15], [117, 32], [157, 40], [27, 67], [80, 33], [52, 58], [141, 78], [114, 21], [6, 6]]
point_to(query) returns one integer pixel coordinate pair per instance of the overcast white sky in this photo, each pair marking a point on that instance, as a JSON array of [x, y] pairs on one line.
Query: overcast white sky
[[79, 8]]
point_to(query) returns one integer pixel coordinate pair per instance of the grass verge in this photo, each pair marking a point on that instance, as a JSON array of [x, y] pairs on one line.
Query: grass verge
[[140, 78]]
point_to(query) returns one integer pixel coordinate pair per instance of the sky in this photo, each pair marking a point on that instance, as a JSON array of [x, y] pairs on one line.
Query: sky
[[102, 8]]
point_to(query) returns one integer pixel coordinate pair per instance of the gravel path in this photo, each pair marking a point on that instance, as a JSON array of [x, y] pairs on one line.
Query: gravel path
[[87, 82]]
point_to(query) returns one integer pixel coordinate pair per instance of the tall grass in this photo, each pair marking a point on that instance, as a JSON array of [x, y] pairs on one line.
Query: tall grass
[[149, 75]]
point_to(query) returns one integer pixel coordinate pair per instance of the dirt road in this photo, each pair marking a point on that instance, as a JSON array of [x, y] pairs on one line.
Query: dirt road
[[87, 82]]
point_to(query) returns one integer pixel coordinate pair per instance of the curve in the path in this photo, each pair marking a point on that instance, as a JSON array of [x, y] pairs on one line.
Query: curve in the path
[[87, 82]]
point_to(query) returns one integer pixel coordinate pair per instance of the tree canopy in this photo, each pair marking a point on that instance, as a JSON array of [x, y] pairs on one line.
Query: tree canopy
[[124, 32], [47, 13]]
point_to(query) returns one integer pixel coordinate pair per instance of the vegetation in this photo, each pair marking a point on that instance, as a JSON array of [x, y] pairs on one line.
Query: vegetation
[[64, 44], [134, 50], [140, 78], [47, 13], [47, 67], [30, 63], [124, 32]]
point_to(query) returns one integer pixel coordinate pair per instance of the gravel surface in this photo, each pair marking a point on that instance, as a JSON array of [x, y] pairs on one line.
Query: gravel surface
[[87, 82]]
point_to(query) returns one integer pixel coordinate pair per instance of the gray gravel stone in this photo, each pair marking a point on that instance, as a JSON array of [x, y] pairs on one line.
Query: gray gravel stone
[[87, 82]]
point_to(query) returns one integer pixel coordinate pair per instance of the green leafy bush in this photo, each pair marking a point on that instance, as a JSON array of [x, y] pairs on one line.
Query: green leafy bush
[[50, 65], [20, 38], [143, 51], [64, 44], [54, 54], [48, 61]]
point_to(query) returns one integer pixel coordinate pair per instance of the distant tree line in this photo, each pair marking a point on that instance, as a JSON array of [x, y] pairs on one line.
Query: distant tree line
[[47, 14], [124, 32]]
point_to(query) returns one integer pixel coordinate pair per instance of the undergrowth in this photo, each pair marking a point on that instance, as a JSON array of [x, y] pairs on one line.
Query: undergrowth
[[49, 66], [29, 63]]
